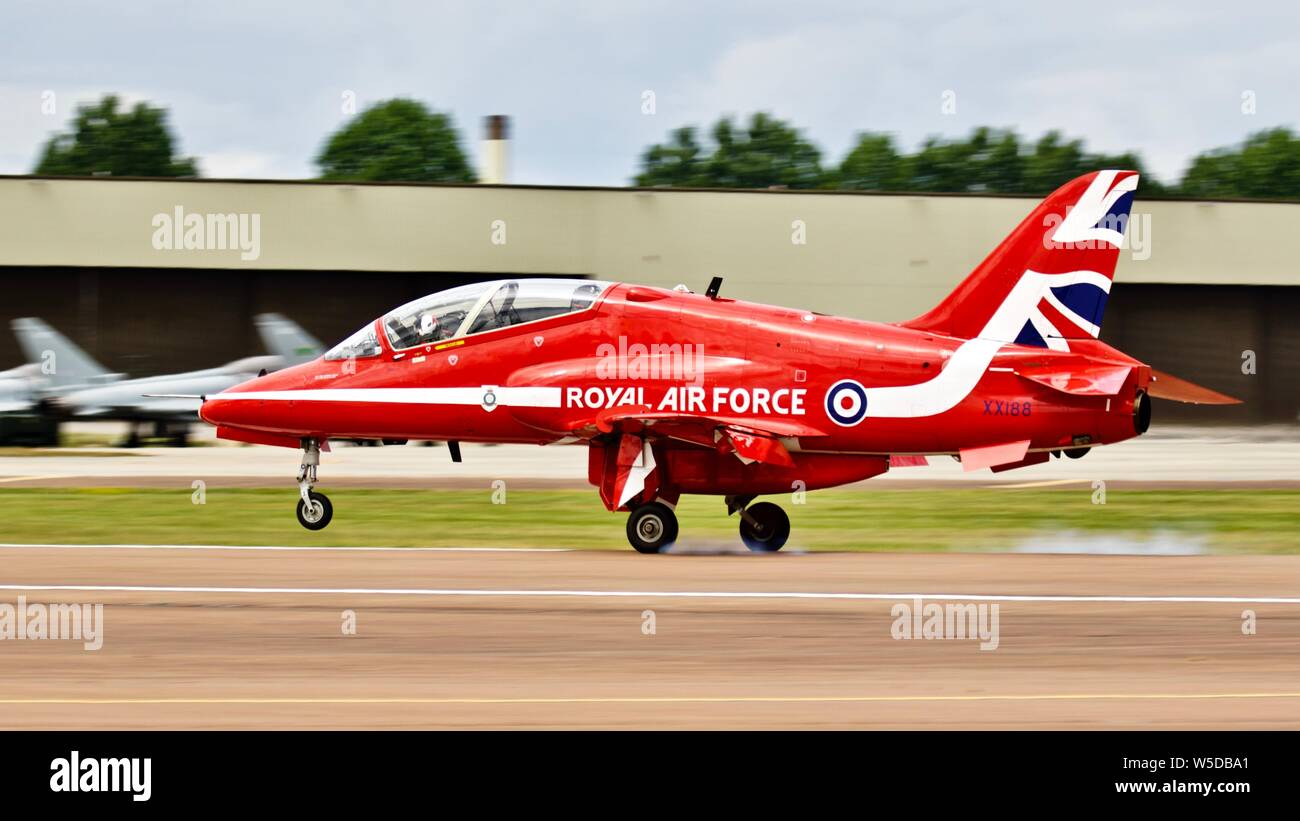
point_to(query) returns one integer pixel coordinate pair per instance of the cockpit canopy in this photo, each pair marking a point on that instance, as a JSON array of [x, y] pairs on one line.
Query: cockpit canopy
[[472, 309]]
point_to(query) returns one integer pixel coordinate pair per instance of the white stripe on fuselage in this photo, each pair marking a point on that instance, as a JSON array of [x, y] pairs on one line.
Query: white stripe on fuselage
[[521, 397], [967, 365]]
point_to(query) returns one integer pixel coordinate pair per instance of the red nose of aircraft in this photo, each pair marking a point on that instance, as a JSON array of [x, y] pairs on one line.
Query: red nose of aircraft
[[219, 409]]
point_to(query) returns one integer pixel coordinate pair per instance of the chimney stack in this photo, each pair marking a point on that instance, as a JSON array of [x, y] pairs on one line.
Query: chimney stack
[[496, 137]]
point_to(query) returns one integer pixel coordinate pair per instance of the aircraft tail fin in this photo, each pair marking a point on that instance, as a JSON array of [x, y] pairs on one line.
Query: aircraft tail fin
[[60, 360], [1048, 281], [286, 339]]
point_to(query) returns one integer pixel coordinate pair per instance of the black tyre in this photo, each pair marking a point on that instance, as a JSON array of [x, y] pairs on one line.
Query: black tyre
[[770, 530], [318, 515], [652, 527]]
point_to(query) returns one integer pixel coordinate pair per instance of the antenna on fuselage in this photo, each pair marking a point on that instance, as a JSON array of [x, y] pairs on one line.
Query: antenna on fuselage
[[715, 285]]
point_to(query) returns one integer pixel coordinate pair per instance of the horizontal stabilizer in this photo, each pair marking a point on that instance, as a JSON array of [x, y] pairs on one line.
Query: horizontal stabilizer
[[1168, 386], [1084, 380]]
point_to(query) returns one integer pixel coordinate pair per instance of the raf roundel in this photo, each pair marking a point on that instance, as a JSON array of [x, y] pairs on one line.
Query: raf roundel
[[846, 402]]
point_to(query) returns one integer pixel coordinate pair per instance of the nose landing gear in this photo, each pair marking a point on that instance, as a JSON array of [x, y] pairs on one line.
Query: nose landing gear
[[314, 509]]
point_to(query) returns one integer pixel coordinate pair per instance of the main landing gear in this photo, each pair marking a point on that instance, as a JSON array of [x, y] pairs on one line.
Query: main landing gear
[[652, 527], [314, 509], [764, 527]]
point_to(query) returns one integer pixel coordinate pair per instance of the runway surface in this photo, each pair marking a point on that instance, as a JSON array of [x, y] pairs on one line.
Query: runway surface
[[224, 638], [1266, 455]]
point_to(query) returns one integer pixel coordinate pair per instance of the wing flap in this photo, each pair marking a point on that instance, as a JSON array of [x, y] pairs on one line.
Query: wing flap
[[755, 447], [906, 461], [989, 456], [750, 440], [606, 421]]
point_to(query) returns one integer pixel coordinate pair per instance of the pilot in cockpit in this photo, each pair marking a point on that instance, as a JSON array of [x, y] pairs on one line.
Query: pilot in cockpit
[[583, 296]]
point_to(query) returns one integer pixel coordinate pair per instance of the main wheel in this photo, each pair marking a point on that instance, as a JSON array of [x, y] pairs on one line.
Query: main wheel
[[770, 530], [652, 527], [318, 514]]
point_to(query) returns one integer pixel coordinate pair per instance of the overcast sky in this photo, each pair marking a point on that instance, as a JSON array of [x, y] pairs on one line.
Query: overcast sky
[[254, 87]]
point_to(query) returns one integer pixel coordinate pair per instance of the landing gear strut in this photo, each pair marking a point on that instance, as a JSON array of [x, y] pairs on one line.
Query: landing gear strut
[[314, 509], [652, 527]]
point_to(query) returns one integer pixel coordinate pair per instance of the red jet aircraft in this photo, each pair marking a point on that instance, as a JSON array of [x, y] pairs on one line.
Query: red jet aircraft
[[674, 392]]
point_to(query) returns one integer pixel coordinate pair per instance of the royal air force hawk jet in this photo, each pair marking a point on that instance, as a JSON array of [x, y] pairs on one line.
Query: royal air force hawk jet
[[674, 392]]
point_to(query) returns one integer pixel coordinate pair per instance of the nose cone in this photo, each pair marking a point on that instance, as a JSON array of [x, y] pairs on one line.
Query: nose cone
[[224, 410], [214, 411]]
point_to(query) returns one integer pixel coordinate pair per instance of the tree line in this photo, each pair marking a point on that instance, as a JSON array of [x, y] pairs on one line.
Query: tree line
[[405, 140]]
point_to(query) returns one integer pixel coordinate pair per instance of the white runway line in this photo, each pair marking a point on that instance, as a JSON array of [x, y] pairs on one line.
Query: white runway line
[[288, 548], [525, 700], [644, 594]]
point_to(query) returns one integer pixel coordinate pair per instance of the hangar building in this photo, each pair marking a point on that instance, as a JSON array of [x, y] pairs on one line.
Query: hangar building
[[1214, 285]]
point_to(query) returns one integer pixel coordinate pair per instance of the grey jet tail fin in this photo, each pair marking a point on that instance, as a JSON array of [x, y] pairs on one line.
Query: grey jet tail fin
[[284, 338], [61, 362]]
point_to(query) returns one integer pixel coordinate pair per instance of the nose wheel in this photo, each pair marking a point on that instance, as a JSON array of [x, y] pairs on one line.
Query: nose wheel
[[314, 509], [315, 512]]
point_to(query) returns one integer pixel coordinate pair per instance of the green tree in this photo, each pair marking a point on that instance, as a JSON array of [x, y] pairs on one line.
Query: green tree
[[106, 140], [677, 163], [874, 164], [1053, 162], [1265, 166], [768, 152], [988, 161], [396, 140], [1002, 164]]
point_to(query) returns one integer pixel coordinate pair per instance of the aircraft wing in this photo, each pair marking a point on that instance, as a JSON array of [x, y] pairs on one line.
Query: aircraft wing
[[750, 440]]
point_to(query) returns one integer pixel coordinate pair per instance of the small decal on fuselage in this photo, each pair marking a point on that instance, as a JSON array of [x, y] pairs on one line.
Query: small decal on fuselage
[[1013, 407]]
